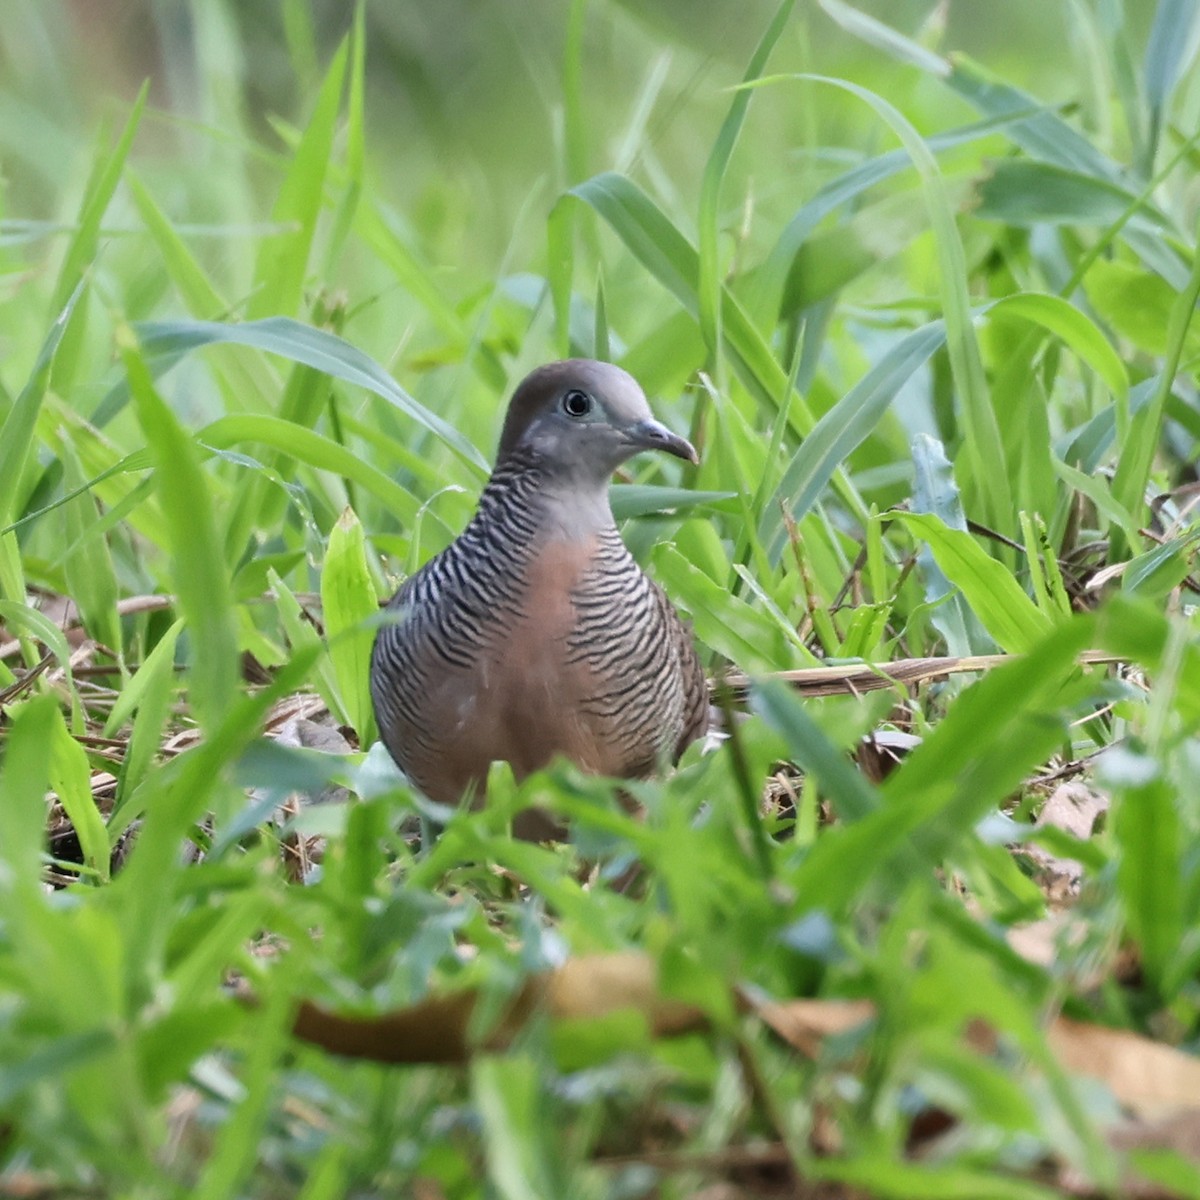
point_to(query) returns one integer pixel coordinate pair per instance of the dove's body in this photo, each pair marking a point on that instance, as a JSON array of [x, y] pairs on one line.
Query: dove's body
[[535, 633]]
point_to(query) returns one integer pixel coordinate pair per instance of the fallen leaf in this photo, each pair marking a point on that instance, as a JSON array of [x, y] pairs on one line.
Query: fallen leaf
[[1150, 1079]]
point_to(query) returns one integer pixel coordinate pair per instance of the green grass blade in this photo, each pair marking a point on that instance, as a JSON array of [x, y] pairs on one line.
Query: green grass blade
[[28, 621], [1170, 43], [935, 491], [670, 258], [70, 777], [16, 433], [356, 152], [91, 577], [312, 448], [1137, 457], [314, 348], [709, 272], [995, 597], [198, 292], [983, 443], [283, 259], [23, 784], [200, 574], [849, 422], [1074, 329], [86, 239], [349, 602]]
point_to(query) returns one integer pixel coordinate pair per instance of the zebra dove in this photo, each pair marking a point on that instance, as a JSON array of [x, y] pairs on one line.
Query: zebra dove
[[535, 633]]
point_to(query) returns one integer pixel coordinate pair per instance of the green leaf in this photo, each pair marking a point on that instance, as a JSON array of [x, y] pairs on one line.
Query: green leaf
[[16, 433], [721, 620], [312, 448], [1161, 569], [993, 734], [23, 783], [71, 779], [983, 441], [91, 578], [1145, 425], [1137, 304], [198, 292], [86, 239], [709, 272], [1168, 49], [507, 1090], [201, 577], [150, 693], [995, 597], [630, 500], [852, 796], [315, 348], [26, 620], [1147, 829], [848, 423], [1074, 329], [283, 257], [1024, 193], [349, 602]]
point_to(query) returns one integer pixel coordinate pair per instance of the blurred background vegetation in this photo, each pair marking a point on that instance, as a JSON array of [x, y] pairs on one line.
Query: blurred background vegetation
[[224, 492]]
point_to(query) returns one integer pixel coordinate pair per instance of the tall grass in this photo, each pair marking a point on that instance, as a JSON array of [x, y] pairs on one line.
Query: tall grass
[[933, 335]]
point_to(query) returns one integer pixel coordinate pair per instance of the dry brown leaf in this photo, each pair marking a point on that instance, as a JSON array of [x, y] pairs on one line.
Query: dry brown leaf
[[1150, 1079], [438, 1030], [804, 1024]]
